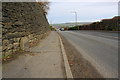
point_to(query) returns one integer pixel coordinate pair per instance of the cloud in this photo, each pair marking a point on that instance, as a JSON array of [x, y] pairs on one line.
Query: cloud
[[87, 11], [83, 0]]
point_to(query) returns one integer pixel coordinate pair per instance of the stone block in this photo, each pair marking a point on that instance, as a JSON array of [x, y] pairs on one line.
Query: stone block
[[16, 45], [18, 23], [10, 46], [4, 48], [23, 41], [9, 52], [5, 42]]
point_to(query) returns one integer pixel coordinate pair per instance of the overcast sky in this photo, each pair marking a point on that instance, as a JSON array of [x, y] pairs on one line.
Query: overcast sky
[[61, 11]]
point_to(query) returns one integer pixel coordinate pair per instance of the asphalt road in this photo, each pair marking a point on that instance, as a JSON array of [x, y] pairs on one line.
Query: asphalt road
[[99, 48]]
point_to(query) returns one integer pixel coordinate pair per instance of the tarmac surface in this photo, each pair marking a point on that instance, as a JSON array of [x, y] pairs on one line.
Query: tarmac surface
[[97, 47]]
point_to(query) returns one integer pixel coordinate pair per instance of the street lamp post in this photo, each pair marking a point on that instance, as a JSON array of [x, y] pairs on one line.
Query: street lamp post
[[76, 18]]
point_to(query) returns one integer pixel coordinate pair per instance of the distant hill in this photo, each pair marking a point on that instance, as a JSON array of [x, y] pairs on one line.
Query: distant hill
[[70, 24]]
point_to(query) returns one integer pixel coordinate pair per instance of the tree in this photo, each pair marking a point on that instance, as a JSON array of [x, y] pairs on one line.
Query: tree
[[44, 6]]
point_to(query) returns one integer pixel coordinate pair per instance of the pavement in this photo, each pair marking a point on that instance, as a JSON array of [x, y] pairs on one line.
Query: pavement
[[99, 48], [44, 61]]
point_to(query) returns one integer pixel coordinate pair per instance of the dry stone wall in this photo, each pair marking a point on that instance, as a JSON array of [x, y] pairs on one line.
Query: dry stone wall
[[23, 25]]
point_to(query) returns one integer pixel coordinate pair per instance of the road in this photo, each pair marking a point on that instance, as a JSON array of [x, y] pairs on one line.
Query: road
[[99, 48]]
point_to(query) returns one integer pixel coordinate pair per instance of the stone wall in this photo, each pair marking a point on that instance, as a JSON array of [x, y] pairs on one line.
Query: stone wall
[[23, 25]]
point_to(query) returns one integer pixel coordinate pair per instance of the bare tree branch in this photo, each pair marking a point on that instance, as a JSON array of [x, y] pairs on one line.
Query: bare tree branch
[[44, 6]]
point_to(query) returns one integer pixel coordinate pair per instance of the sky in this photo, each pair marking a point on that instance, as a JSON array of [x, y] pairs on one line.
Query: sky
[[87, 11]]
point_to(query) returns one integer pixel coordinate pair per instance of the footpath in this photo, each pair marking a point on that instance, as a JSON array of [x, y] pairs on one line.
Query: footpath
[[44, 61]]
